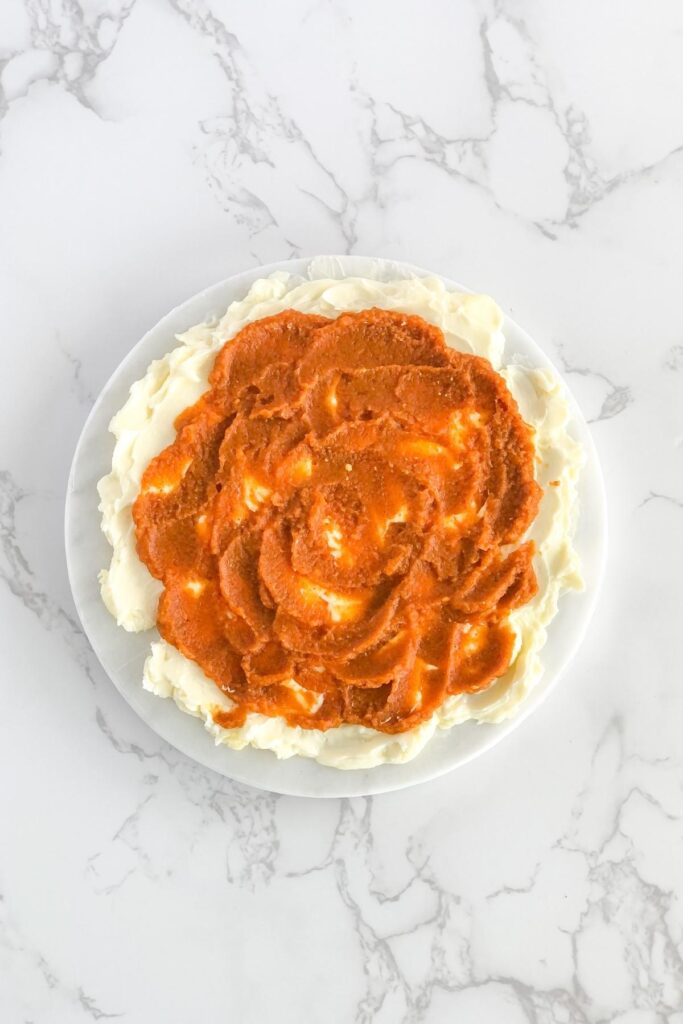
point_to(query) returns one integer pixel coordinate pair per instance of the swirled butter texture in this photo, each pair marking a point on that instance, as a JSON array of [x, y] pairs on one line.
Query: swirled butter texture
[[144, 426]]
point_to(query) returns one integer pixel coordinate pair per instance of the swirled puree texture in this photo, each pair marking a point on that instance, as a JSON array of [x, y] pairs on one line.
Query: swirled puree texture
[[347, 531]]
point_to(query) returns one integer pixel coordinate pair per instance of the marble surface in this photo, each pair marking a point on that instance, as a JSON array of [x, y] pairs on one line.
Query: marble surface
[[534, 151]]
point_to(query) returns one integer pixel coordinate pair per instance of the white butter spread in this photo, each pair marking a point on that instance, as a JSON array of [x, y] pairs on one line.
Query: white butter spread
[[144, 426]]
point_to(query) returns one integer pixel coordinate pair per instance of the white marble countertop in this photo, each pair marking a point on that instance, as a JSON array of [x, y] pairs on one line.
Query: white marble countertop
[[534, 151]]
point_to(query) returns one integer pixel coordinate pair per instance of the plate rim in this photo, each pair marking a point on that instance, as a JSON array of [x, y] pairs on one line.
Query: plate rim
[[591, 477]]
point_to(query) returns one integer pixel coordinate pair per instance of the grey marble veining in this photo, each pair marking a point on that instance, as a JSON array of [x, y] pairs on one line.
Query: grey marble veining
[[148, 148]]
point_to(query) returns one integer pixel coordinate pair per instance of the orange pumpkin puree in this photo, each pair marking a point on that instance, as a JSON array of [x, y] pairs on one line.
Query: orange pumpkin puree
[[338, 522]]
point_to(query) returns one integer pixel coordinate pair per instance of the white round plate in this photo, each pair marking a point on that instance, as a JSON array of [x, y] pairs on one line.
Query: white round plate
[[122, 654]]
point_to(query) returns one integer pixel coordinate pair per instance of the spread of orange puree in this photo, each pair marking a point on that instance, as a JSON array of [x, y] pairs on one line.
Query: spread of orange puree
[[338, 524]]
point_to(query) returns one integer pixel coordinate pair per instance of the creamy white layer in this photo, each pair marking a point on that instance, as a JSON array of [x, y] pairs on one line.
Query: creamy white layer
[[144, 426]]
